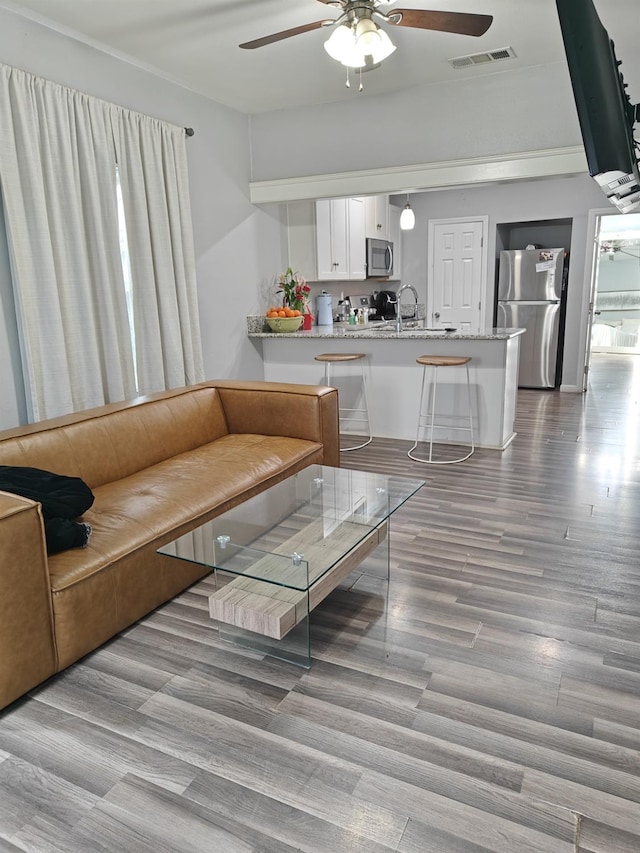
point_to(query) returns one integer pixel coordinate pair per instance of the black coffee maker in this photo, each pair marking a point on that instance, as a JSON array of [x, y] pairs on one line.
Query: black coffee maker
[[385, 305]]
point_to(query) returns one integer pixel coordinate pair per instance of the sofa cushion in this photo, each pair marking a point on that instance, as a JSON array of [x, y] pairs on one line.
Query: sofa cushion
[[167, 499], [111, 442]]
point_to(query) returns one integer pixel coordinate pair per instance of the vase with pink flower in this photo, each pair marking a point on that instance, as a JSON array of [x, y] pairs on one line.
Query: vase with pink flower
[[295, 291]]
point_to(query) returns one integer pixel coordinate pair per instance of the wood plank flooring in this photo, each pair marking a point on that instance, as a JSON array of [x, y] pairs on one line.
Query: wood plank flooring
[[486, 701]]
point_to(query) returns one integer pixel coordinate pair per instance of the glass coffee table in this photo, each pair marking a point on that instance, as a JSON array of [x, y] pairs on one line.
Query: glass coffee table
[[276, 556]]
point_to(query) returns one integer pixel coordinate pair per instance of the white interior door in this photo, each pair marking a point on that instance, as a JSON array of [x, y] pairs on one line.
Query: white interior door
[[457, 273]]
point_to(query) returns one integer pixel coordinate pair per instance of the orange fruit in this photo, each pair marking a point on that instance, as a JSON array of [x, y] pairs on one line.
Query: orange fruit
[[281, 313], [296, 313]]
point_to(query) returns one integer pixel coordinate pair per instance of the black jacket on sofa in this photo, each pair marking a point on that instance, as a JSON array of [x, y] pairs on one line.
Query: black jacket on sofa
[[63, 499]]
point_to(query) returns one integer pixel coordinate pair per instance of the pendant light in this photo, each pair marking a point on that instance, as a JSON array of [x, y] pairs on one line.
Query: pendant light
[[407, 217]]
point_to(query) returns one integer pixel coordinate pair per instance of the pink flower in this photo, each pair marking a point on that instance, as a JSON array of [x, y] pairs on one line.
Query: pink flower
[[294, 288]]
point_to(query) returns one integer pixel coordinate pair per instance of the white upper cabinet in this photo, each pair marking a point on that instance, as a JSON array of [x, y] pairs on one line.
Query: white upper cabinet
[[356, 238], [327, 239], [377, 217], [340, 239], [331, 239], [395, 237]]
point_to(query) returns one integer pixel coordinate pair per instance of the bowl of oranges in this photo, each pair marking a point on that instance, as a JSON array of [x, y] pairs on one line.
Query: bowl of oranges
[[284, 319]]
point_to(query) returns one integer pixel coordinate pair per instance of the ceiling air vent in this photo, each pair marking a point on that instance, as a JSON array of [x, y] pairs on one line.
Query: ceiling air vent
[[482, 58]]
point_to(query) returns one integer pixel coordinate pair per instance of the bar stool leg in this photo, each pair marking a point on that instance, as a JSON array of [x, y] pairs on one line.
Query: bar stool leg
[[420, 417], [365, 410], [435, 362], [361, 414], [473, 446], [433, 410]]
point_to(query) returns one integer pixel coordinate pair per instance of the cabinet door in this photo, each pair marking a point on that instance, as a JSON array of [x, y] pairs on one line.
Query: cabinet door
[[356, 238], [331, 236], [377, 216]]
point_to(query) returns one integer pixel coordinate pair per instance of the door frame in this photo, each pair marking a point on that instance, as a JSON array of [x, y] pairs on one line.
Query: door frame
[[457, 220], [589, 293]]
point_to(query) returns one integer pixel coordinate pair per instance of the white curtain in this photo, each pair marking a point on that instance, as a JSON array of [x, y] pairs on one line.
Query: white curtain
[[58, 154], [58, 189], [153, 174]]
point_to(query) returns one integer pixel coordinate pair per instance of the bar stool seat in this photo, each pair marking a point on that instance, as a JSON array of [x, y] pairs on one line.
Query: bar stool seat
[[428, 420], [357, 415]]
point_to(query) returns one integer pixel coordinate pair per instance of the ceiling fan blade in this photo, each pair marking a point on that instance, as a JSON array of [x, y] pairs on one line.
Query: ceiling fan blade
[[464, 23], [285, 34]]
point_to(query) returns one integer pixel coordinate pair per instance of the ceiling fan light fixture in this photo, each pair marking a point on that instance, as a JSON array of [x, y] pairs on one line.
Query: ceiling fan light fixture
[[367, 35], [382, 48], [341, 44], [407, 218], [365, 45]]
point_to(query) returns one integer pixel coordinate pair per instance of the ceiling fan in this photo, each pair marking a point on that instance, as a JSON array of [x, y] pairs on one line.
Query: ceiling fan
[[358, 42]]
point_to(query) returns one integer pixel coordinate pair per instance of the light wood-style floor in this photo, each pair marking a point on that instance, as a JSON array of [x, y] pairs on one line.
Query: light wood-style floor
[[490, 703]]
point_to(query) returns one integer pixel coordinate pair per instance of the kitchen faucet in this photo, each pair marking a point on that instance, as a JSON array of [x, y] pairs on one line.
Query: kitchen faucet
[[398, 306]]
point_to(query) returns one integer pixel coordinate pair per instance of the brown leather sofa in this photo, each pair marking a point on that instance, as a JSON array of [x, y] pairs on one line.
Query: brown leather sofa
[[158, 466]]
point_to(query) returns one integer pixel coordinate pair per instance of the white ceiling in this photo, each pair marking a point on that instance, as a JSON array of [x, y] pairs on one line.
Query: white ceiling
[[195, 42]]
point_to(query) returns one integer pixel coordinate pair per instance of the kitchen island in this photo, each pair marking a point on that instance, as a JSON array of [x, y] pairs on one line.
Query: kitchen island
[[394, 379]]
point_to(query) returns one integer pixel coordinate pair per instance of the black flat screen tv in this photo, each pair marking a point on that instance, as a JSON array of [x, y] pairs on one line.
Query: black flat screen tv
[[605, 112]]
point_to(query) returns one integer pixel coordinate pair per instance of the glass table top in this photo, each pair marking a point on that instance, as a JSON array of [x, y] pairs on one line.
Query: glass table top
[[296, 531]]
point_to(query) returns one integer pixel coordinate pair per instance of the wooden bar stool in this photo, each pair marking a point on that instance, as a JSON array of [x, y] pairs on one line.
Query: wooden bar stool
[[357, 415], [427, 420]]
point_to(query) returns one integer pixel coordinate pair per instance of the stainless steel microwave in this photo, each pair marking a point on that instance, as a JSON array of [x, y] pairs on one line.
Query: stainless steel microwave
[[379, 258]]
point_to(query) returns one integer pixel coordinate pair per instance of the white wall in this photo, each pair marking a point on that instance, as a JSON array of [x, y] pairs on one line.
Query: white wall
[[235, 241], [501, 113], [518, 202], [239, 246], [498, 114]]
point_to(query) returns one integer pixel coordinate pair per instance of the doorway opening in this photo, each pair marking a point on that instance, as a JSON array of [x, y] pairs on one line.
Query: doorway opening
[[616, 289], [532, 268]]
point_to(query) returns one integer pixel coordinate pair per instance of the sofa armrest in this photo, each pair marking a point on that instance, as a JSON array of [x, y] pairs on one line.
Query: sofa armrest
[[279, 408], [27, 646]]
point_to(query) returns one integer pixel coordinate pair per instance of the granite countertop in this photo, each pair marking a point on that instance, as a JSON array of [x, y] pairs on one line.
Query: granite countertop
[[383, 330]]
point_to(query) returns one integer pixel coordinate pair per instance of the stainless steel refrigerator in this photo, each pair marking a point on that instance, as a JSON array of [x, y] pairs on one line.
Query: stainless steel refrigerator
[[531, 288]]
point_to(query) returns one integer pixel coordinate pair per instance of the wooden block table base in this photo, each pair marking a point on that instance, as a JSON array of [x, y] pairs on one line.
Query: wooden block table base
[[272, 610], [240, 605]]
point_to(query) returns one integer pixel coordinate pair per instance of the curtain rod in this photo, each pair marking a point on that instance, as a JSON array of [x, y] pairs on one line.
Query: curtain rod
[[189, 131]]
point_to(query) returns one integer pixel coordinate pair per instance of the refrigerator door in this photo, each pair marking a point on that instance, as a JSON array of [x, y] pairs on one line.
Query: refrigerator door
[[530, 274], [539, 344]]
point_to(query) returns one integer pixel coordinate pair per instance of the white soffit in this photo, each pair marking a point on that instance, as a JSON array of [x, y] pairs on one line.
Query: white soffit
[[528, 165]]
